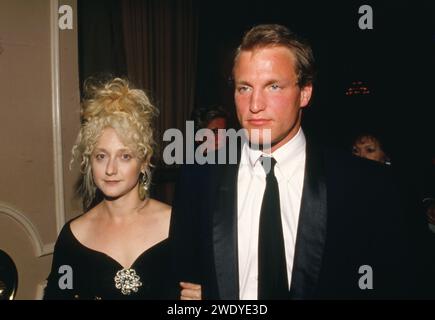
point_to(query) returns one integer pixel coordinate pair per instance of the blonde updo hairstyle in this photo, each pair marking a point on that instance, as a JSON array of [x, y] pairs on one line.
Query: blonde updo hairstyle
[[129, 112]]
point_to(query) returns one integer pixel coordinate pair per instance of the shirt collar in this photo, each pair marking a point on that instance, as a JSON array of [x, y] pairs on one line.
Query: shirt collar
[[253, 155], [290, 155], [285, 156]]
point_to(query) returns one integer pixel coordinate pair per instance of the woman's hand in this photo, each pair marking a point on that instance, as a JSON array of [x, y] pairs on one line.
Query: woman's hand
[[190, 291]]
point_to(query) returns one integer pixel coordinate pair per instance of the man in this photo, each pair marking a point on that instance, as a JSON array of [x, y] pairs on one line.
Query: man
[[320, 224], [213, 118]]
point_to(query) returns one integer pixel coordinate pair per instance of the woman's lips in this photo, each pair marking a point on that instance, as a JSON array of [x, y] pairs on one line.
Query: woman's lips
[[111, 182]]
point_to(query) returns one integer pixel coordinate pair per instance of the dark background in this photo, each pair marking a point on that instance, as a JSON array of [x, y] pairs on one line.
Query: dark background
[[395, 62]]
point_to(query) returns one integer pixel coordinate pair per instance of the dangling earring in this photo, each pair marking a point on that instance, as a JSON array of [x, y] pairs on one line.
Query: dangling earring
[[143, 188]]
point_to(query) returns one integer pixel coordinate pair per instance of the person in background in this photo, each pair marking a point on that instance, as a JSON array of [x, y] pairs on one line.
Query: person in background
[[213, 118], [369, 146], [119, 249], [415, 185]]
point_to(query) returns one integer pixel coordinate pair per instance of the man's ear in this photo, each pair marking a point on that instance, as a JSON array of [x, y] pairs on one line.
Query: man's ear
[[306, 93]]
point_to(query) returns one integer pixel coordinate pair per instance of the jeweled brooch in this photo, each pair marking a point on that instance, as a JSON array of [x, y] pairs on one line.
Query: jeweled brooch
[[128, 281]]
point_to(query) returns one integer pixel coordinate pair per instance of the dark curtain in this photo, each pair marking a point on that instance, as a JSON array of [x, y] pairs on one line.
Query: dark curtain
[[161, 44], [101, 44], [160, 39]]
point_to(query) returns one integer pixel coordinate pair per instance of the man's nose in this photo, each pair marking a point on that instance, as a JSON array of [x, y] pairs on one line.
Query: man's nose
[[111, 168], [257, 102]]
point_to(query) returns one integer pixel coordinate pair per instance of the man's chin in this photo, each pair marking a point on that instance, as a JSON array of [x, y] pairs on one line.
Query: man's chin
[[260, 139], [259, 144], [260, 135]]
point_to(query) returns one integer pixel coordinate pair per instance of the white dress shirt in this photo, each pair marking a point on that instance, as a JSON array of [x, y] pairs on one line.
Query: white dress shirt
[[251, 184]]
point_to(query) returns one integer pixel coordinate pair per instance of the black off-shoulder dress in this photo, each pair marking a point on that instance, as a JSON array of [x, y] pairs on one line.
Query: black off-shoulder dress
[[79, 272]]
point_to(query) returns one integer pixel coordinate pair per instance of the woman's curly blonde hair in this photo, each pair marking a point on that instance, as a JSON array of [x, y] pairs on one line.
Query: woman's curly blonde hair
[[129, 111]]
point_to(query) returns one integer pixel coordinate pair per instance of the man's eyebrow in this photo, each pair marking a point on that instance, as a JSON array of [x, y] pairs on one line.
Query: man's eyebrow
[[242, 82], [272, 81], [268, 83]]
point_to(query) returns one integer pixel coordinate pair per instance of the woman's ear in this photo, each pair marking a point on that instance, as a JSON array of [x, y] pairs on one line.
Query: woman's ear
[[143, 167]]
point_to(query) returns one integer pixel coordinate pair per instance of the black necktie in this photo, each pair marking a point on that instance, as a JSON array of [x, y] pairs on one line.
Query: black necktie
[[272, 267]]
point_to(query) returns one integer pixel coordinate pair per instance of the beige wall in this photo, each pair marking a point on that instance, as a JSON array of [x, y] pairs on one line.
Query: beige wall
[[39, 112]]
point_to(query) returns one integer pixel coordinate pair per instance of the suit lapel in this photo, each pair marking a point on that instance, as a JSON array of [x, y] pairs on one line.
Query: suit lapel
[[310, 238], [311, 234], [225, 233]]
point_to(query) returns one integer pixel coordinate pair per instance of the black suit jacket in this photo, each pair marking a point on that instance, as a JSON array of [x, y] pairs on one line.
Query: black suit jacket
[[351, 216]]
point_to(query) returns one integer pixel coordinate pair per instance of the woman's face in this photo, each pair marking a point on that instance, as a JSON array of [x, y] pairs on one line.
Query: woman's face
[[115, 167], [369, 148]]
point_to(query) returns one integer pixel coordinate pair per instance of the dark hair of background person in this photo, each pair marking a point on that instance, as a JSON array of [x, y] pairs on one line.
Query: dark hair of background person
[[375, 135], [203, 116]]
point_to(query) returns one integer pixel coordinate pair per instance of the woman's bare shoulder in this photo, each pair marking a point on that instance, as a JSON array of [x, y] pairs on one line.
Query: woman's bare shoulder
[[82, 224], [160, 205], [160, 208]]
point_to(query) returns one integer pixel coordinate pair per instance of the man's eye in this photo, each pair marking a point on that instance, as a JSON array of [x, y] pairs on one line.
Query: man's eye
[[242, 89], [275, 87]]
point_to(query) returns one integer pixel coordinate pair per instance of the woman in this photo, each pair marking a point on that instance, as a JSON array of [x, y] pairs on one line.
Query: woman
[[119, 248], [369, 146]]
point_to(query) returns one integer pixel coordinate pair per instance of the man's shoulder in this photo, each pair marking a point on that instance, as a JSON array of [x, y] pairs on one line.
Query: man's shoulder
[[195, 177], [349, 177], [195, 170], [207, 169]]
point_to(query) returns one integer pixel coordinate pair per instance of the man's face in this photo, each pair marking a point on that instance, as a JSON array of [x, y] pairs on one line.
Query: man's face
[[267, 95]]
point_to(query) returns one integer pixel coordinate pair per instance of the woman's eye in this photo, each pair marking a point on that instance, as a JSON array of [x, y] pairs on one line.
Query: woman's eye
[[126, 156], [100, 156]]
